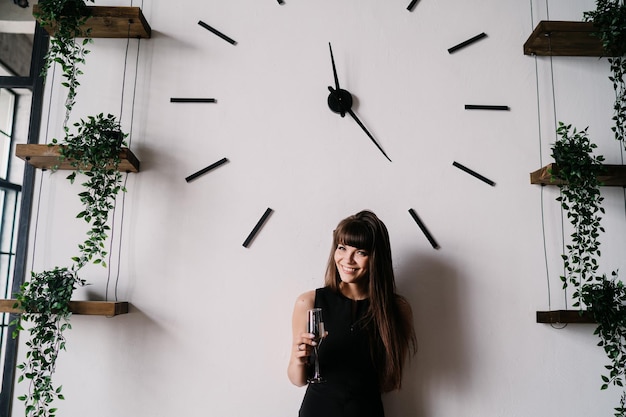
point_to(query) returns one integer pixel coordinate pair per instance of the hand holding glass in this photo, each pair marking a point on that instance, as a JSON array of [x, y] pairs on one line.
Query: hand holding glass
[[316, 327]]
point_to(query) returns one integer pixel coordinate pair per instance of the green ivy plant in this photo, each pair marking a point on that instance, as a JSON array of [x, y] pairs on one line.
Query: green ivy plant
[[604, 298], [609, 19], [66, 17], [580, 197], [95, 152], [606, 301], [45, 303]]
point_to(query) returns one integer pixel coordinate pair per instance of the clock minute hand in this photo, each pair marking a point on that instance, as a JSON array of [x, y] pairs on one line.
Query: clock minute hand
[[332, 60], [356, 119], [339, 100]]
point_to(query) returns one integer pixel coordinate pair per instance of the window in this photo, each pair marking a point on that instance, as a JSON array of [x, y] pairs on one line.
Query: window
[[21, 102], [9, 203]]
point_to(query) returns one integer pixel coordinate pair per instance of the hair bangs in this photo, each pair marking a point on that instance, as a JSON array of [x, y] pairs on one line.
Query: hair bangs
[[356, 234]]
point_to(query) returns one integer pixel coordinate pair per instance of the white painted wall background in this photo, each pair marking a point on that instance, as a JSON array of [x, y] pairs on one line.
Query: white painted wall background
[[209, 329]]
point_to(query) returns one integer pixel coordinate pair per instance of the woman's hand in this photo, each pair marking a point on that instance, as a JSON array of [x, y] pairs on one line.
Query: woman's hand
[[304, 347], [302, 342]]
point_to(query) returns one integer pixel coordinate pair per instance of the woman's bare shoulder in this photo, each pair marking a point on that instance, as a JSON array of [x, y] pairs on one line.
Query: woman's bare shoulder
[[306, 300]]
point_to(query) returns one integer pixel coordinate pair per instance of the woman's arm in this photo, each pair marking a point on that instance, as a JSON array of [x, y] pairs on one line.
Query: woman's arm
[[302, 341]]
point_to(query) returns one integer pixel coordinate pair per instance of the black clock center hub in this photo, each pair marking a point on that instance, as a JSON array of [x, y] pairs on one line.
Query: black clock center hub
[[339, 101]]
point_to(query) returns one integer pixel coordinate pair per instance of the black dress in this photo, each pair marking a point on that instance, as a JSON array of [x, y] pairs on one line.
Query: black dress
[[351, 388]]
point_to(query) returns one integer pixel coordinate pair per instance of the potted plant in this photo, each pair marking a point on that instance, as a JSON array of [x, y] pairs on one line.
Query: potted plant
[[609, 19], [95, 151], [605, 300], [66, 16], [45, 303], [580, 198]]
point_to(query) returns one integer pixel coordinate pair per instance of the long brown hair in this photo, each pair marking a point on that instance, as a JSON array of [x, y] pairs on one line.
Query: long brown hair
[[390, 327]]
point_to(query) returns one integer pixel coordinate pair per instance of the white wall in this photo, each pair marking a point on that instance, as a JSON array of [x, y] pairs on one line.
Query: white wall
[[209, 329]]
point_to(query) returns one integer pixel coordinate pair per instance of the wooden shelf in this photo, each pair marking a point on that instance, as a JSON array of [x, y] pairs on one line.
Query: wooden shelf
[[47, 157], [558, 38], [92, 308], [615, 175], [111, 22], [564, 316]]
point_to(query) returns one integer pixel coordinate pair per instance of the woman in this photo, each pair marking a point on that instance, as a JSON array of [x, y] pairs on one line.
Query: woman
[[369, 329]]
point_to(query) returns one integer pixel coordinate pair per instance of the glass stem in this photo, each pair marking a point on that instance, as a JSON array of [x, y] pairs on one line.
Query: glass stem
[[317, 363]]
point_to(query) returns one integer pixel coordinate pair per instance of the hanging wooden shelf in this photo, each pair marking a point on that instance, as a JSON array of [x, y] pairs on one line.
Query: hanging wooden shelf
[[48, 157], [615, 175], [111, 22], [91, 308], [559, 38], [564, 316]]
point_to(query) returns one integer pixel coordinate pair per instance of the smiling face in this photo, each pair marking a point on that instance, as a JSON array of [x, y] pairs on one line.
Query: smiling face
[[352, 264]]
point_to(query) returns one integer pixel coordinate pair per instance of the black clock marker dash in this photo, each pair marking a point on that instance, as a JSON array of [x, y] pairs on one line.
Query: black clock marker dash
[[473, 173], [467, 42], [485, 107], [257, 227], [411, 5], [421, 225], [192, 100], [205, 170], [217, 32]]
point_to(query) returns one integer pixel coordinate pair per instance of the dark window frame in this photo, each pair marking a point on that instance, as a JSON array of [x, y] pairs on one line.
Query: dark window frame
[[35, 84]]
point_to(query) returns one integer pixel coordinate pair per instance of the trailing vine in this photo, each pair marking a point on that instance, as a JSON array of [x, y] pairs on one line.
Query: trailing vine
[[45, 303], [609, 20], [606, 301], [66, 17], [605, 298], [95, 152], [580, 197]]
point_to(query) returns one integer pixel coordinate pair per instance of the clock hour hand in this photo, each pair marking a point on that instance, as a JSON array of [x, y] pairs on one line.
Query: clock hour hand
[[356, 119]]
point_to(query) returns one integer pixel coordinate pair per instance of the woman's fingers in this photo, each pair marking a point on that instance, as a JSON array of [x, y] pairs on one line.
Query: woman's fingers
[[308, 339], [302, 352], [305, 344]]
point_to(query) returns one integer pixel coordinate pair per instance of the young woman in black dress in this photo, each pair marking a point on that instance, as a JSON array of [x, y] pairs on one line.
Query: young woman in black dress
[[369, 328]]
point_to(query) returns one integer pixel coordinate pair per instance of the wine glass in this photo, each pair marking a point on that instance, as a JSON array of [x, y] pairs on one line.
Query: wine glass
[[316, 327]]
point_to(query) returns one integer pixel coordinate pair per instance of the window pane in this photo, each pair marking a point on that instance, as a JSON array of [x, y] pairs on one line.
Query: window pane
[[7, 105], [7, 102]]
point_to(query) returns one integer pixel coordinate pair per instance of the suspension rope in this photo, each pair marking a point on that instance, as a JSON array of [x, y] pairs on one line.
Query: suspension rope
[[541, 159], [129, 141]]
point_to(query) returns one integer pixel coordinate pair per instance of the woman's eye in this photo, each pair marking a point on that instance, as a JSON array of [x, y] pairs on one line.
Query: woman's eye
[[362, 253], [341, 247]]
